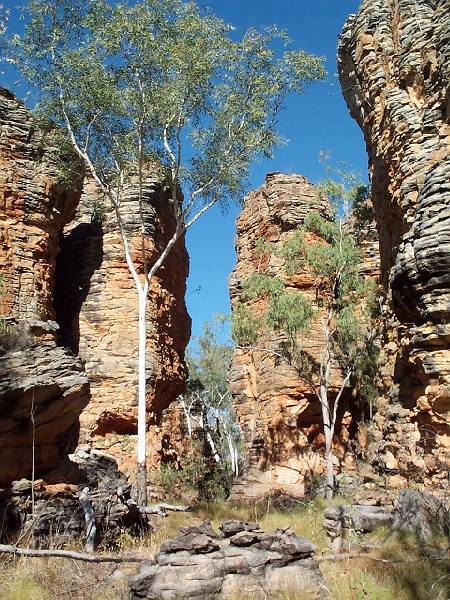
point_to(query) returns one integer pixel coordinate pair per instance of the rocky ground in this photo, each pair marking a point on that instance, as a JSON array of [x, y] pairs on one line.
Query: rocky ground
[[392, 566]]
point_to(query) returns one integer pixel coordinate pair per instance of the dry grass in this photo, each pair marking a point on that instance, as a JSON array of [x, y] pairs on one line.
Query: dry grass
[[412, 573], [56, 579]]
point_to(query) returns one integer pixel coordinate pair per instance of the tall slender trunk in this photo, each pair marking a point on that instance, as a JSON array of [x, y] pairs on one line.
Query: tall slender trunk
[[329, 474], [328, 430], [212, 445], [142, 401], [187, 414], [233, 455], [328, 415]]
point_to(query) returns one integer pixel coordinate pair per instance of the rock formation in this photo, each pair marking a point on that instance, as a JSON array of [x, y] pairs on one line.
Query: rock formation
[[394, 67], [96, 303], [199, 563], [414, 512], [54, 515], [279, 415], [61, 260], [42, 387]]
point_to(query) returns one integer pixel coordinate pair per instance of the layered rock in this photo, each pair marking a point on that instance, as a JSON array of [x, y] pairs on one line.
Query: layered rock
[[42, 387], [414, 512], [395, 74], [279, 415], [97, 309], [54, 513], [62, 259], [199, 563], [34, 208]]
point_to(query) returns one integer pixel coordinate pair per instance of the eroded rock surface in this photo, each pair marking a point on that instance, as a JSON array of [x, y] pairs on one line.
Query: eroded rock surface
[[62, 259], [43, 389], [278, 413], [394, 67], [199, 563], [97, 309], [413, 511], [55, 516], [344, 523], [34, 208]]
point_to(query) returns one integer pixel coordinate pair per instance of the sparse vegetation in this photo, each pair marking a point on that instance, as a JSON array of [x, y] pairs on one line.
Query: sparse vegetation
[[408, 571]]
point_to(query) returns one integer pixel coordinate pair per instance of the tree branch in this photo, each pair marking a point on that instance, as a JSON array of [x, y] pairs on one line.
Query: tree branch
[[92, 558]]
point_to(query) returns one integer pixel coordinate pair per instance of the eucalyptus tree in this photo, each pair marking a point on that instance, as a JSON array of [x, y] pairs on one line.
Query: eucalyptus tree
[[159, 81], [342, 303], [208, 395]]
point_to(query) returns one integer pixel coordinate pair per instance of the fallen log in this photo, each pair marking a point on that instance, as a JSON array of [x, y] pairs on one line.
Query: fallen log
[[161, 508], [93, 558]]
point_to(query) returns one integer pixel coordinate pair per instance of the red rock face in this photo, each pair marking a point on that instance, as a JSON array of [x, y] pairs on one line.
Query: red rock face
[[59, 261], [43, 388], [34, 210], [394, 64], [279, 416], [97, 309]]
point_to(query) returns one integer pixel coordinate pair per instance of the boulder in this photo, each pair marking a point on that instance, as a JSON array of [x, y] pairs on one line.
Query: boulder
[[53, 515], [240, 558]]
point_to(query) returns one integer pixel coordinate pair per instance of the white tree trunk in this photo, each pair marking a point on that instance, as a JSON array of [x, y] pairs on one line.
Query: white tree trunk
[[187, 414], [142, 400], [212, 445], [328, 430], [233, 455]]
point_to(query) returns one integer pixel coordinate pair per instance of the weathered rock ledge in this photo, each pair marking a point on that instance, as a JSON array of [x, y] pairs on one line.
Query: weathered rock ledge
[[54, 515], [394, 68], [43, 389], [199, 563]]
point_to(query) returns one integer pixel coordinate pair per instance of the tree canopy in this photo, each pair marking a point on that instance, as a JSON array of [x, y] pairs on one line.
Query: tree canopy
[[161, 79]]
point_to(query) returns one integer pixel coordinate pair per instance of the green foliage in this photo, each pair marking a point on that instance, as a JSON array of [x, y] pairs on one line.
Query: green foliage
[[262, 247], [67, 166], [99, 211], [208, 364], [197, 473], [148, 79], [208, 401], [244, 326], [344, 189], [289, 312], [347, 302], [294, 252], [362, 209], [261, 285]]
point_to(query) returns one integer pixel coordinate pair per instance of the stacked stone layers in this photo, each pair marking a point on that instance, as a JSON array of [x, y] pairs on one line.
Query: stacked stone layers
[[43, 388], [394, 65], [97, 306], [279, 415], [33, 211], [62, 258], [199, 563]]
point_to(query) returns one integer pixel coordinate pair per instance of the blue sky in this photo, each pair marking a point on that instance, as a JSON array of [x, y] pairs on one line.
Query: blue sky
[[315, 121]]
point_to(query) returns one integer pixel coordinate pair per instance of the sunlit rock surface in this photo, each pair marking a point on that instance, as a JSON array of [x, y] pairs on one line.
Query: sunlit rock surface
[[61, 259], [394, 67], [279, 414]]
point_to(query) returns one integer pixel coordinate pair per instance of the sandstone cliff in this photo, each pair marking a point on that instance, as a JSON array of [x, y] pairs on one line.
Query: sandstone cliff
[[96, 305], [42, 387], [279, 415], [61, 259], [394, 67]]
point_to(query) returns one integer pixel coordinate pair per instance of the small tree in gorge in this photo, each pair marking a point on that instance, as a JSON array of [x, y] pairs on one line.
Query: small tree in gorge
[[342, 303], [158, 81], [208, 396]]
